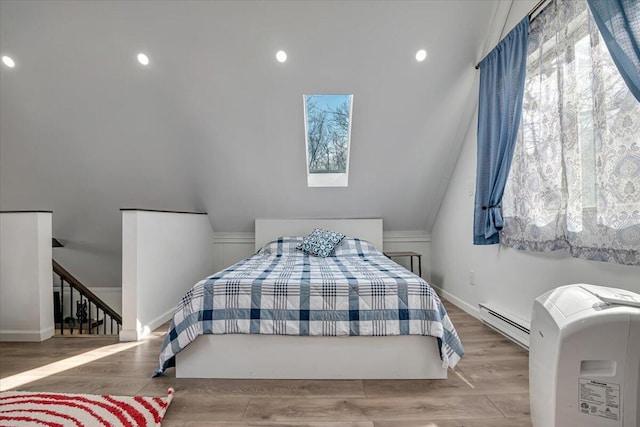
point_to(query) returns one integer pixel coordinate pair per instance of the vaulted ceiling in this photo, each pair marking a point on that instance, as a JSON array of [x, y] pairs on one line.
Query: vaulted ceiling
[[214, 123]]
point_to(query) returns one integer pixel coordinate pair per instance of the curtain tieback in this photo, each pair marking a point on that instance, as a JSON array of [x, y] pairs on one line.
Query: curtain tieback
[[495, 222], [497, 205]]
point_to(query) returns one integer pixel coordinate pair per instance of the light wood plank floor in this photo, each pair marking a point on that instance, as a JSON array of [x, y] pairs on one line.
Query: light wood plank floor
[[489, 387]]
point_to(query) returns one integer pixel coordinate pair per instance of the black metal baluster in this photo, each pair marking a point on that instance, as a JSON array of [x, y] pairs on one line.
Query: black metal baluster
[[72, 322], [61, 306], [85, 305], [79, 314]]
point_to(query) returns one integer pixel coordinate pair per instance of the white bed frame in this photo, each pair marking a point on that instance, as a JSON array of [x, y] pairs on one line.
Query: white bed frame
[[312, 357]]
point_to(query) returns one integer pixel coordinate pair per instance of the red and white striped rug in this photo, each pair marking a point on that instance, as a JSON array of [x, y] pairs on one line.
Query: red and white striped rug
[[23, 408]]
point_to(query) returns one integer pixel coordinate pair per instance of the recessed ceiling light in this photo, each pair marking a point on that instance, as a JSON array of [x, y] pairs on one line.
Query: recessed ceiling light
[[8, 61], [421, 55], [143, 59], [281, 56]]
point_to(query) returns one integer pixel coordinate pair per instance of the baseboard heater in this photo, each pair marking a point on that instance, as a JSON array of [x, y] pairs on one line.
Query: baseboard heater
[[512, 327]]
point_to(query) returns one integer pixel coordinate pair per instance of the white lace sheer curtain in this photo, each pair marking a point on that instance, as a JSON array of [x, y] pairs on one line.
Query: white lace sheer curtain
[[574, 182]]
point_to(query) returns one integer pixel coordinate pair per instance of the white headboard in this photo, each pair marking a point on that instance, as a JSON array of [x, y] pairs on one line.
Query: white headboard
[[268, 229]]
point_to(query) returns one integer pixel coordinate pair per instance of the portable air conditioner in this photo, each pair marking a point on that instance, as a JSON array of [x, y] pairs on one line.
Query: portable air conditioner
[[584, 358]]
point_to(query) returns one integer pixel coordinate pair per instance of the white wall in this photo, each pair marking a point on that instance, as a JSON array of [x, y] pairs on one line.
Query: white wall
[[110, 295], [215, 123], [26, 289], [163, 255], [509, 279]]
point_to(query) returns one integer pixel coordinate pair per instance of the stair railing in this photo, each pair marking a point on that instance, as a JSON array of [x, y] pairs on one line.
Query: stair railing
[[83, 306]]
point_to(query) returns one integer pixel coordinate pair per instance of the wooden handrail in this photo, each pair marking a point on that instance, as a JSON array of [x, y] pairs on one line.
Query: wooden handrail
[[68, 277], [161, 211]]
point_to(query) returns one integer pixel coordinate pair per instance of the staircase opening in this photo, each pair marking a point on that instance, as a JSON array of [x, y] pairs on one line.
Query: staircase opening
[[78, 311]]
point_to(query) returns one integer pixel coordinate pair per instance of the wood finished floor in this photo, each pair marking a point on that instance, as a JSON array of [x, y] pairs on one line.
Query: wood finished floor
[[489, 387]]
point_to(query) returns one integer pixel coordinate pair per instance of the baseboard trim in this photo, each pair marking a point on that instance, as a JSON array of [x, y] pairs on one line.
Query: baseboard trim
[[127, 335], [461, 304], [158, 321], [32, 335]]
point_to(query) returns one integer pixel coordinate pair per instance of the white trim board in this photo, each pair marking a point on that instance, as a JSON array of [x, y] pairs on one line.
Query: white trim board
[[231, 247], [26, 335], [406, 236], [248, 237], [461, 304], [145, 330], [160, 320], [268, 229]]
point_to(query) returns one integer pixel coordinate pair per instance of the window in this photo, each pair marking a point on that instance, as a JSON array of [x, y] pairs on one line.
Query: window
[[574, 182], [327, 136]]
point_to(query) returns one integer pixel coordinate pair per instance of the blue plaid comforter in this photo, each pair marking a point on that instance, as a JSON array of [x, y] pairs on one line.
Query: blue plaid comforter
[[283, 291]]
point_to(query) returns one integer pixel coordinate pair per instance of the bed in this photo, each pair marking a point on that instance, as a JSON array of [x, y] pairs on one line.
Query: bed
[[284, 314]]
